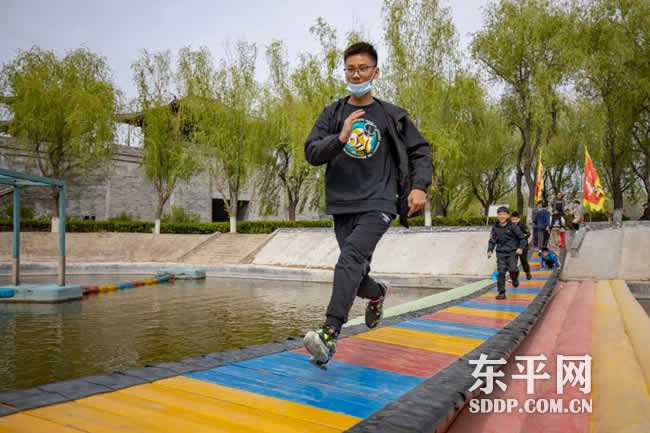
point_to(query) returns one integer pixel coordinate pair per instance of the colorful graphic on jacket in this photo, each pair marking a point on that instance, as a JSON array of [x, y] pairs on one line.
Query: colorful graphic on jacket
[[364, 140]]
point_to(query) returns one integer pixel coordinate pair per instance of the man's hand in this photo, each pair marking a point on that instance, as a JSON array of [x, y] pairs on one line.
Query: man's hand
[[417, 199], [344, 136], [489, 254], [519, 251]]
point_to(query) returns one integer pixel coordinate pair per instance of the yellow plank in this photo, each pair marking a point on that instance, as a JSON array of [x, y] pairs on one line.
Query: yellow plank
[[482, 313], [94, 420], [270, 404], [24, 423], [232, 416], [637, 325], [421, 340], [616, 374], [181, 416], [525, 296]]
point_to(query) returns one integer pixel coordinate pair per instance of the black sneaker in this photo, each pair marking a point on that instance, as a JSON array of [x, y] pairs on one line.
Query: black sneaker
[[501, 296], [321, 345], [515, 282], [529, 276], [375, 308]]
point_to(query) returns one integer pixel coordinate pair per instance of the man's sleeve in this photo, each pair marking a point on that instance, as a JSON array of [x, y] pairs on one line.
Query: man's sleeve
[[523, 241], [491, 242], [419, 155], [321, 146]]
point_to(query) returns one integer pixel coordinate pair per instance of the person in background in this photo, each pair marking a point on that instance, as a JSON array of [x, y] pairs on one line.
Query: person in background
[[578, 216], [646, 212], [523, 258], [548, 259], [557, 225], [558, 203], [541, 224]]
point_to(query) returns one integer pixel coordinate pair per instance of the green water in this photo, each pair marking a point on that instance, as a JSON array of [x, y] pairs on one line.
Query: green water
[[44, 343]]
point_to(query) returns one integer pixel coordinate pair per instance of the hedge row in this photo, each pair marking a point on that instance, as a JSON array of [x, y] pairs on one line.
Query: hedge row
[[147, 227], [223, 227]]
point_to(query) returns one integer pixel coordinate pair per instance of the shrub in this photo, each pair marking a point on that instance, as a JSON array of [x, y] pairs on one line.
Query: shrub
[[179, 215]]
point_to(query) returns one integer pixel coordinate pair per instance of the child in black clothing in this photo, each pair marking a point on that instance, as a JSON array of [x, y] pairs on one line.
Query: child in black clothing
[[509, 242], [515, 218]]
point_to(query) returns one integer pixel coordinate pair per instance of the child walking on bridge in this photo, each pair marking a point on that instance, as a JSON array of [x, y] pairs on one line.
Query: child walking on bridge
[[509, 242]]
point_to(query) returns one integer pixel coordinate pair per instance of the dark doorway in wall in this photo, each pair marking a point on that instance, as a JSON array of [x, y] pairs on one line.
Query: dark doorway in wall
[[219, 213]]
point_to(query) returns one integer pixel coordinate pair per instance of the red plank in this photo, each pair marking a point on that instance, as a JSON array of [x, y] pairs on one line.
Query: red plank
[[556, 330], [467, 319], [382, 356], [493, 300]]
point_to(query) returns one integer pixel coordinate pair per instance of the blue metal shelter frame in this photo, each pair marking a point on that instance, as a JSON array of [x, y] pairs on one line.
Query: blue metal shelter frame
[[19, 180]]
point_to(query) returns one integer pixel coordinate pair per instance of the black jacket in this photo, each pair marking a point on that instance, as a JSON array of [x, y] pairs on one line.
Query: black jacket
[[413, 158], [506, 238], [524, 228]]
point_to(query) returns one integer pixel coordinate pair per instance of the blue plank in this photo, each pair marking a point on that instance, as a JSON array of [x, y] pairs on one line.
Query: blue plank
[[497, 307], [273, 385], [521, 291], [448, 328], [350, 377]]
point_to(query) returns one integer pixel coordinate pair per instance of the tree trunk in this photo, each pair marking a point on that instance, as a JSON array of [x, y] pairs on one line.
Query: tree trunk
[[232, 211], [520, 194], [156, 226], [531, 196], [55, 201], [292, 210], [427, 211], [438, 196], [618, 200]]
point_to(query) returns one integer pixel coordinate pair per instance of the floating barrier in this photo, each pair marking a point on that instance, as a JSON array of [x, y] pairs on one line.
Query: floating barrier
[[89, 290], [7, 292]]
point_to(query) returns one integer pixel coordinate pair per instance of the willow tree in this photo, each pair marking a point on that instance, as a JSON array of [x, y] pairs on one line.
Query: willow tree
[[487, 158], [421, 41], [287, 119], [228, 126], [61, 110], [613, 37], [168, 154], [525, 46]]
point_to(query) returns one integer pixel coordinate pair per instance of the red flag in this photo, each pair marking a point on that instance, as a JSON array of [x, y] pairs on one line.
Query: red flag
[[594, 197], [539, 181]]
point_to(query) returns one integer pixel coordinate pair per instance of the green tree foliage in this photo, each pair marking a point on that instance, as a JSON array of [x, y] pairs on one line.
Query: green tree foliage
[[524, 45], [61, 109], [421, 42], [613, 38], [228, 125], [169, 156], [488, 152]]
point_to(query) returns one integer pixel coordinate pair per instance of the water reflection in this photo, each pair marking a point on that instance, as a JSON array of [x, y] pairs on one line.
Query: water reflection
[[43, 343]]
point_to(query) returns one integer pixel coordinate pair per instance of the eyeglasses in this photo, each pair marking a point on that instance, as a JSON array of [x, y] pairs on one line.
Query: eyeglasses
[[350, 70]]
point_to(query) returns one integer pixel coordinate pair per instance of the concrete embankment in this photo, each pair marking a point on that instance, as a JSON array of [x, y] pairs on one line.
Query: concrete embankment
[[611, 253], [458, 253]]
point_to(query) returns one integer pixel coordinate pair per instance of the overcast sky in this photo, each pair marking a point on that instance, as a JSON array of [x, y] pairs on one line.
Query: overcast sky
[[119, 29]]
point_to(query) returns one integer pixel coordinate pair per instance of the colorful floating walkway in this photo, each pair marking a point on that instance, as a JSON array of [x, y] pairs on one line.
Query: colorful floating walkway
[[283, 391], [372, 375], [600, 319]]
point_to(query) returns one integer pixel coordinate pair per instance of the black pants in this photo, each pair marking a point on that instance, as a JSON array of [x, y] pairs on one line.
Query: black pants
[[506, 262], [576, 226], [542, 239], [523, 258], [357, 236]]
